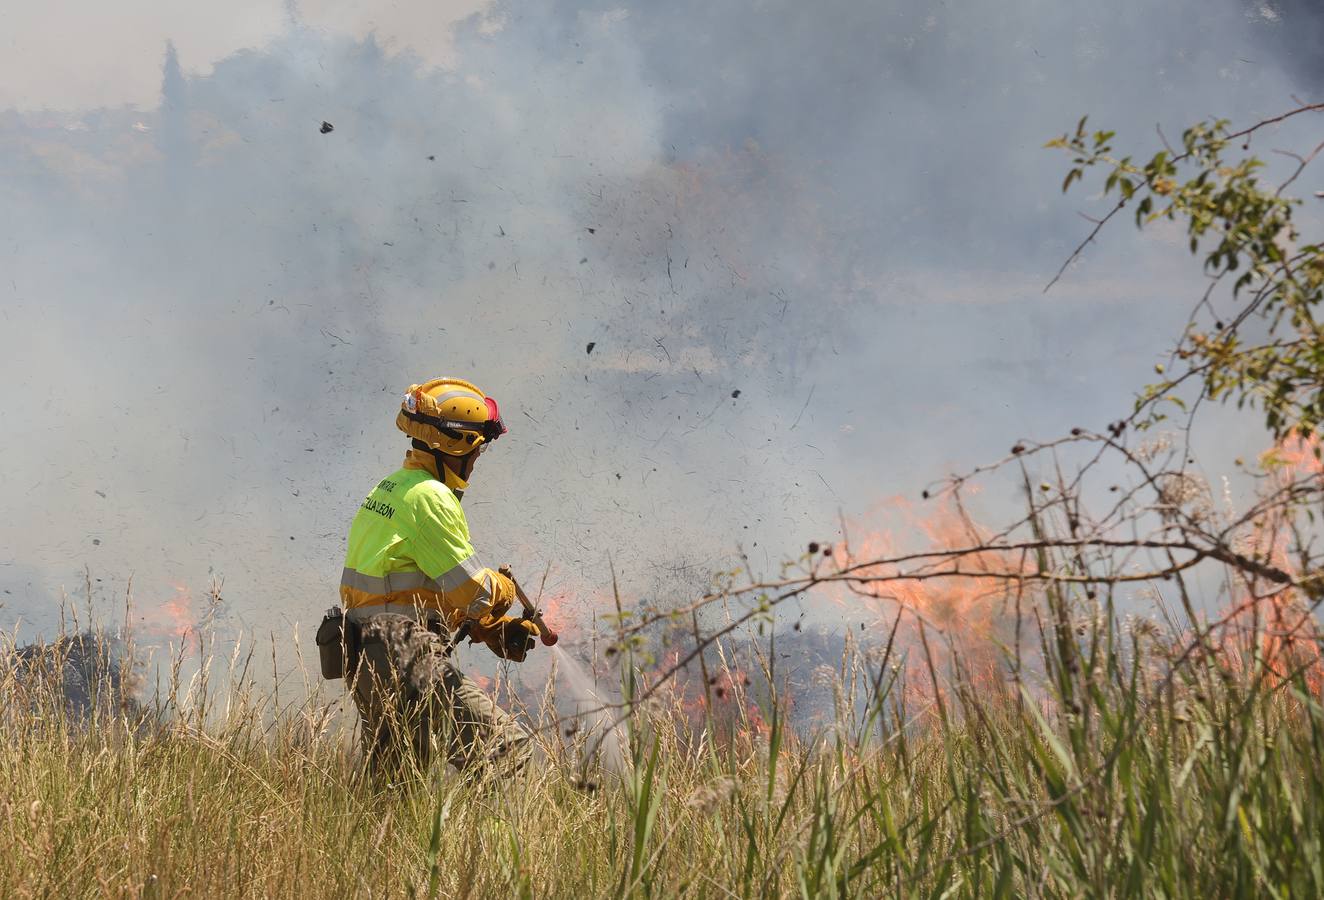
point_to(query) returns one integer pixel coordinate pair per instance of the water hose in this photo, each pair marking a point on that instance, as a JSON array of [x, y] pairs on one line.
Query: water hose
[[545, 634]]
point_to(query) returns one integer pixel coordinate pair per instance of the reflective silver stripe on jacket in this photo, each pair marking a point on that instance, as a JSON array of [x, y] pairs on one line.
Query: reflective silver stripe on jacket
[[451, 580], [388, 584], [482, 601], [465, 570]]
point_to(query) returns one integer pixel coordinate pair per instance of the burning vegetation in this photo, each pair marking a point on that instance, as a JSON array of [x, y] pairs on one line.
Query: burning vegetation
[[1115, 690]]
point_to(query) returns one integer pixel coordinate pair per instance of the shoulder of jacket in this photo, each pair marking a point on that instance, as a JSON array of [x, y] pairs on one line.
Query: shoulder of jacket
[[431, 492]]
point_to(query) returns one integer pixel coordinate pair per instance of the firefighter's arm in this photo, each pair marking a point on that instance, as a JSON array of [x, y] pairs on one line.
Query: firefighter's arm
[[481, 596], [440, 546], [506, 636], [485, 595]]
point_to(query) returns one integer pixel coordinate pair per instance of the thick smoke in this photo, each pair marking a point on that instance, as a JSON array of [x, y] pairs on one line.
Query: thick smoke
[[1293, 33], [806, 244]]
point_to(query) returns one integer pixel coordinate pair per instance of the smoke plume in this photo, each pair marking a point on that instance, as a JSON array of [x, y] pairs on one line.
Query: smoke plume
[[732, 269]]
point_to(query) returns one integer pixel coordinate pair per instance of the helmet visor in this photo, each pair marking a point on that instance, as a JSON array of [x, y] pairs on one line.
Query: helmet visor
[[494, 427]]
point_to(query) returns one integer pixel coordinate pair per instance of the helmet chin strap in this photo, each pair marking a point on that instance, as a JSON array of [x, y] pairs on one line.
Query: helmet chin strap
[[445, 474]]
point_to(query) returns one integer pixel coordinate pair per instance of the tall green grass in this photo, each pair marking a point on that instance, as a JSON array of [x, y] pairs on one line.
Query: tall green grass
[[1130, 765]]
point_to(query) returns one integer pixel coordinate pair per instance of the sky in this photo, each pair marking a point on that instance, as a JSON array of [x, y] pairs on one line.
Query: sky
[[807, 244]]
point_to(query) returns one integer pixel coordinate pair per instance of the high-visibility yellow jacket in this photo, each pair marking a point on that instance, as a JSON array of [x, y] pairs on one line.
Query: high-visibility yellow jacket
[[409, 552]]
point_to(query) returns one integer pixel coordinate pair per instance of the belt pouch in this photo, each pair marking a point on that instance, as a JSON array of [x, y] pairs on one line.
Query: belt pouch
[[331, 643]]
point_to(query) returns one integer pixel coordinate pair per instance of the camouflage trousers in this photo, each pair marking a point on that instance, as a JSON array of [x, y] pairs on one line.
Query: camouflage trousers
[[412, 698]]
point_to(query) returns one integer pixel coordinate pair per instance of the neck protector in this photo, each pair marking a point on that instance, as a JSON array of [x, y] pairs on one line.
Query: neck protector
[[431, 462]]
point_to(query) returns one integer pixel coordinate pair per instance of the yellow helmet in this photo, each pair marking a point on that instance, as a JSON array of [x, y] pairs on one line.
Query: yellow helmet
[[450, 416]]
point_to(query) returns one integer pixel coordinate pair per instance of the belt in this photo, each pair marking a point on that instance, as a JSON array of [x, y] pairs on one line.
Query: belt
[[432, 620], [413, 611]]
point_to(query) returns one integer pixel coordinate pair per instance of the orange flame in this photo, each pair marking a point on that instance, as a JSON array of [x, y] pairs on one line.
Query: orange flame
[[966, 611], [1279, 626], [175, 618], [552, 608]]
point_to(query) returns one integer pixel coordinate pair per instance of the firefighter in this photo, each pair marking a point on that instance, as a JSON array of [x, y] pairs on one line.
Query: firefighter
[[412, 586]]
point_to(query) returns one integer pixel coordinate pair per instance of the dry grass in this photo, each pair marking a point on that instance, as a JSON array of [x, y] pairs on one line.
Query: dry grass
[[1206, 784]]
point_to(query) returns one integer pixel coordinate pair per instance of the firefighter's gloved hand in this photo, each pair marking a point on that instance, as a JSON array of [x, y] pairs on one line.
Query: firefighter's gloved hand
[[508, 638], [519, 638]]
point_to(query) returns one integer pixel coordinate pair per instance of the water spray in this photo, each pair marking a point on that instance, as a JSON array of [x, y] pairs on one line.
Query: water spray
[[608, 741]]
